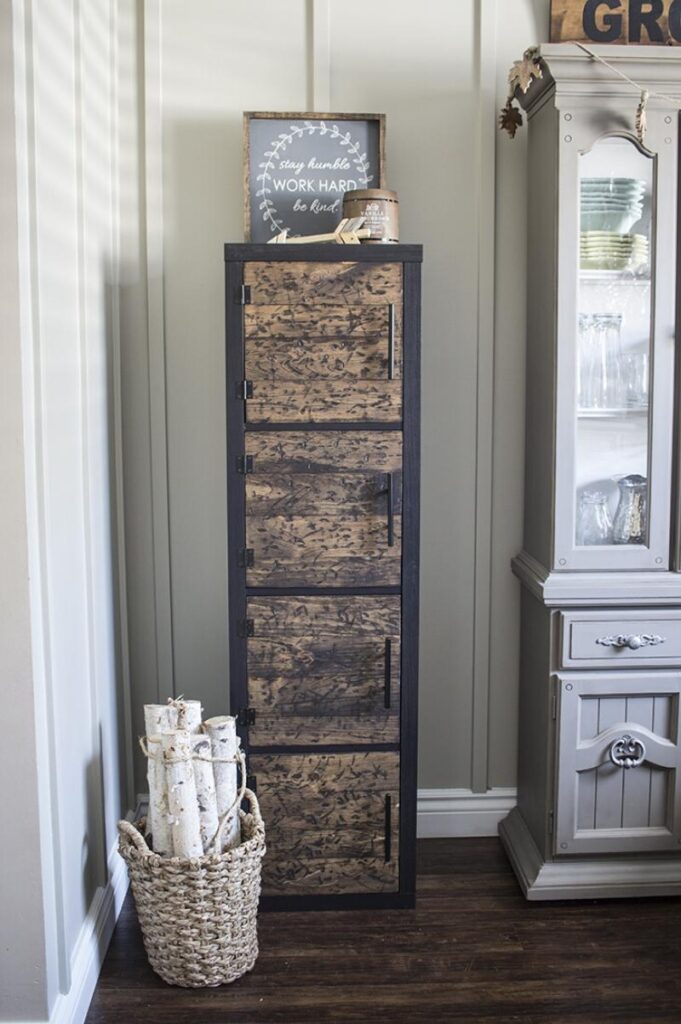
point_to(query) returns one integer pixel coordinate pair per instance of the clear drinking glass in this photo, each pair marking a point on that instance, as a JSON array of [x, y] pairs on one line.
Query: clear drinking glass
[[594, 524], [635, 379]]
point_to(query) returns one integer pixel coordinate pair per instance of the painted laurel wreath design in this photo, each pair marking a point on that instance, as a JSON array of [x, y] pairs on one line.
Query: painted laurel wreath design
[[281, 144]]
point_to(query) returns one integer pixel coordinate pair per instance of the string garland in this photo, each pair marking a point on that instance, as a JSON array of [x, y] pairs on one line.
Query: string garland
[[526, 70]]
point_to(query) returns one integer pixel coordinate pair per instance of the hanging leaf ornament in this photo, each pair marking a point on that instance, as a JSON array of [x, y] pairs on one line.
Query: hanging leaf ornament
[[510, 119], [521, 76], [525, 71]]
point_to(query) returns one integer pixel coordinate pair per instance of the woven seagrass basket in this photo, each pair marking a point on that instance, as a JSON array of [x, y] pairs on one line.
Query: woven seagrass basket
[[198, 916]]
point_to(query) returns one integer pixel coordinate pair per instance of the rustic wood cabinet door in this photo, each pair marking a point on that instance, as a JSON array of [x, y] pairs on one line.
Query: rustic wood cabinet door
[[323, 346], [324, 670], [332, 822], [324, 508]]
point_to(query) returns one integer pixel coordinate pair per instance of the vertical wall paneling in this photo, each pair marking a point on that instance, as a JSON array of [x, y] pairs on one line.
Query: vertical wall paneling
[[65, 63], [153, 157], [485, 146], [124, 701], [320, 56]]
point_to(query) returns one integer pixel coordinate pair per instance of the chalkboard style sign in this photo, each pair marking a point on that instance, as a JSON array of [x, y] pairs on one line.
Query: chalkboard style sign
[[616, 21], [298, 166]]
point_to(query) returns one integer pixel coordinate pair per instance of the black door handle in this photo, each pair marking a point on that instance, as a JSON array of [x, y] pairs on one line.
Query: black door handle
[[390, 509], [391, 341], [388, 681], [388, 826]]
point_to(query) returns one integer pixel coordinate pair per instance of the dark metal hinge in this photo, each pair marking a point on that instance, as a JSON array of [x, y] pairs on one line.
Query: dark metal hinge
[[244, 389], [246, 558], [554, 706], [244, 464], [245, 628], [244, 295], [550, 823], [245, 717]]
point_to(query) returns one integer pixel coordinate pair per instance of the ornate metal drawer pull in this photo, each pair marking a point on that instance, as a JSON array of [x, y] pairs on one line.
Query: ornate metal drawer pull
[[626, 752], [633, 641]]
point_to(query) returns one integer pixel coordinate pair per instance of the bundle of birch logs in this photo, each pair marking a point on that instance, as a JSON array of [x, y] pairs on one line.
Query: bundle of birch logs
[[192, 776]]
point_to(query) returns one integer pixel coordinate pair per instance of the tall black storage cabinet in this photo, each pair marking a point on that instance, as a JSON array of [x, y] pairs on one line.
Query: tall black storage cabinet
[[323, 497]]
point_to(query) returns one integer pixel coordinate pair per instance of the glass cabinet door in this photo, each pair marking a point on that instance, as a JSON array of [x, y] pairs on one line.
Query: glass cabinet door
[[619, 487]]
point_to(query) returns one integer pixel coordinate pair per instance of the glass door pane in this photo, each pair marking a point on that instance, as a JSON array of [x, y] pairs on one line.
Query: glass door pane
[[614, 345]]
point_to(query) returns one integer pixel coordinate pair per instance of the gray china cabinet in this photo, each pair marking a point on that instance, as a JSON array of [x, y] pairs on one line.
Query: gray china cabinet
[[599, 778]]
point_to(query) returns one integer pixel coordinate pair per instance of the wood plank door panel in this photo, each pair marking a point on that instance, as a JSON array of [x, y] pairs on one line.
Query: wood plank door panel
[[332, 822], [324, 670], [324, 509], [321, 364]]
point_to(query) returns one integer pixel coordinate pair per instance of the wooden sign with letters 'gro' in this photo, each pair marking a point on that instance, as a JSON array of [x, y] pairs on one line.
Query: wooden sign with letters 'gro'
[[648, 22]]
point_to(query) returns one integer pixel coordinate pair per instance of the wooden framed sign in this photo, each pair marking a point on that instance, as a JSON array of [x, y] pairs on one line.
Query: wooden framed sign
[[648, 22], [297, 167]]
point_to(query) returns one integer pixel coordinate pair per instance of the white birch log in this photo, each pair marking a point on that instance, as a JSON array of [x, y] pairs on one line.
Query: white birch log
[[158, 718], [225, 744], [184, 809], [205, 789], [189, 715], [158, 814]]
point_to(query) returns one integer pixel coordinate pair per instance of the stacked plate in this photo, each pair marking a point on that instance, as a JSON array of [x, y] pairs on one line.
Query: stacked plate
[[608, 250], [611, 204]]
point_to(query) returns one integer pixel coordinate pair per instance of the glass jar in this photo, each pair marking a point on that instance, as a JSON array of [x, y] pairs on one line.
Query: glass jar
[[594, 523], [631, 518], [600, 362]]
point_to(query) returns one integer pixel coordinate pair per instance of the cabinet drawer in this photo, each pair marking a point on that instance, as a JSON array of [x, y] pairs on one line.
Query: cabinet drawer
[[332, 822], [324, 670], [324, 508], [645, 637], [619, 761]]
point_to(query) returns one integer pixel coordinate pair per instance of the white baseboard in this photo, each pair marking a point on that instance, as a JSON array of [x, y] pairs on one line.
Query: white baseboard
[[92, 943], [445, 813]]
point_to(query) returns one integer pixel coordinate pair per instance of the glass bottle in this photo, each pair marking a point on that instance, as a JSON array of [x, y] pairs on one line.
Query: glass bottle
[[631, 518], [594, 524]]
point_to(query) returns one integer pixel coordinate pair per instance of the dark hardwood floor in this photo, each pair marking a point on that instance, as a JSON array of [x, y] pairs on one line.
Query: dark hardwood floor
[[473, 950]]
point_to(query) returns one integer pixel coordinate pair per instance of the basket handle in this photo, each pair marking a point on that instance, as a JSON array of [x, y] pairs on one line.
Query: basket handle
[[137, 840], [252, 799]]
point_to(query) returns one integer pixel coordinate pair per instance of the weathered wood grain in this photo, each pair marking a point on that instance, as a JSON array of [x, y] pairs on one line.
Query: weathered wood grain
[[291, 810], [325, 452], [327, 536], [328, 876], [340, 850], [285, 401], [339, 544], [326, 773], [313, 675], [303, 343], [283, 729], [323, 690], [295, 283], [296, 494], [287, 617]]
